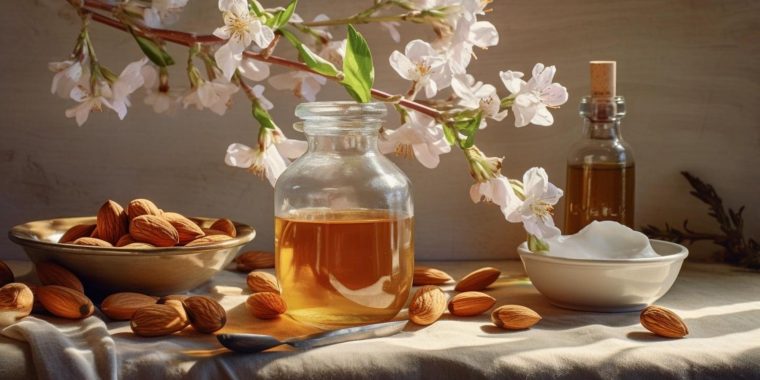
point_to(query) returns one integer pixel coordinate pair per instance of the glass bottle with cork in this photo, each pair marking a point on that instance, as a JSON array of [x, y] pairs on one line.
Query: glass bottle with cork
[[600, 167]]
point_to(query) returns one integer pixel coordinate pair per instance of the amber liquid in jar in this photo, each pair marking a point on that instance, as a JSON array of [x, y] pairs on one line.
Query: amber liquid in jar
[[345, 267], [599, 192]]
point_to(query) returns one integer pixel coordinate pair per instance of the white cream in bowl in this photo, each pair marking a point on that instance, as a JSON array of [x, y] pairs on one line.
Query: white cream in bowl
[[605, 267], [605, 240]]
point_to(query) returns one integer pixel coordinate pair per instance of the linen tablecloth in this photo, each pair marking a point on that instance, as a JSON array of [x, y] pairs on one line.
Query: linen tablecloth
[[720, 304]]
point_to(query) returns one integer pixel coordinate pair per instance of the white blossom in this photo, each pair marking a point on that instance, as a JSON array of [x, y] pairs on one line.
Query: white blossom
[[392, 28], [129, 81], [476, 95], [535, 211], [303, 84], [271, 157], [419, 135], [67, 75], [496, 190], [267, 163], [532, 98], [214, 95], [467, 35], [422, 65], [89, 101], [163, 12], [239, 30], [258, 91], [160, 101], [253, 69]]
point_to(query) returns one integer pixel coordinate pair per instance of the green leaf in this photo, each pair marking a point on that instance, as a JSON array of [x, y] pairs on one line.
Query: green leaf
[[311, 59], [358, 70], [262, 116], [282, 17], [450, 134], [468, 128], [256, 7], [536, 245], [153, 51]]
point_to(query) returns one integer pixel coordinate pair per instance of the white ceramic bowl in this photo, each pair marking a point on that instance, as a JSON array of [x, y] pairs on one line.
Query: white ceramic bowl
[[605, 285]]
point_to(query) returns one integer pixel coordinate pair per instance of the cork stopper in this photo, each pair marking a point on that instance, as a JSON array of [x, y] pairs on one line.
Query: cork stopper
[[603, 79]]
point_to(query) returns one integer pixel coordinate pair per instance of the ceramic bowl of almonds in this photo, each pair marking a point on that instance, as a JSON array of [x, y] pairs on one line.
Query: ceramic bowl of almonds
[[138, 248]]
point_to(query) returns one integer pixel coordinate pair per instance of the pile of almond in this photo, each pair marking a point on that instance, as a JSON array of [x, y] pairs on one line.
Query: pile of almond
[[142, 225], [152, 316], [430, 302], [60, 294]]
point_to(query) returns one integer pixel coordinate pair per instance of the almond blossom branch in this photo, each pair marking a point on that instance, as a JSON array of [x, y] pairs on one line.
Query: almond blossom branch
[[189, 39]]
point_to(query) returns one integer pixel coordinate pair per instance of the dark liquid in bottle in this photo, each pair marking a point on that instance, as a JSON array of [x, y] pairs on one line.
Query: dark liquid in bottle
[[598, 192]]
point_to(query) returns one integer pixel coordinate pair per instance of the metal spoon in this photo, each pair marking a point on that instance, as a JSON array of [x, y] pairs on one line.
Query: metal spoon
[[251, 343]]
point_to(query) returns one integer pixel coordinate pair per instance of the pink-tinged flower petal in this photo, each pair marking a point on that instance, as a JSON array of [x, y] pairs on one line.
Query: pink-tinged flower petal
[[483, 34], [512, 80], [403, 66], [258, 91], [227, 60], [391, 27], [292, 148], [253, 69], [535, 181], [240, 156], [554, 95]]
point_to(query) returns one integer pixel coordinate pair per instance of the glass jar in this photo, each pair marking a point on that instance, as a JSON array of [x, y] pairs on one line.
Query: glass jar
[[344, 227], [600, 168]]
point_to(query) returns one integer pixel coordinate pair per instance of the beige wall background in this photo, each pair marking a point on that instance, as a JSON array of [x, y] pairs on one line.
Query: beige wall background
[[689, 71]]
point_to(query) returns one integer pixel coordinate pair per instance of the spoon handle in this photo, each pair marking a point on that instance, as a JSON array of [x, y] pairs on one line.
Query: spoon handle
[[376, 330]]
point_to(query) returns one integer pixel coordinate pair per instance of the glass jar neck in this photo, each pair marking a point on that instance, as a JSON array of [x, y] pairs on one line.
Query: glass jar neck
[[361, 141], [601, 118], [343, 128]]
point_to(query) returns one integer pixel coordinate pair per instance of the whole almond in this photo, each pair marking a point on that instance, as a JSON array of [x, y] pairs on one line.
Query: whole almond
[[208, 239], [226, 226], [154, 230], [92, 242], [663, 322], [427, 305], [65, 302], [478, 279], [253, 260], [187, 229], [6, 274], [121, 306], [111, 222], [514, 317], [16, 302], [125, 240], [138, 207], [468, 304], [51, 273], [266, 305], [205, 314], [262, 282], [429, 276], [75, 232], [157, 320]]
